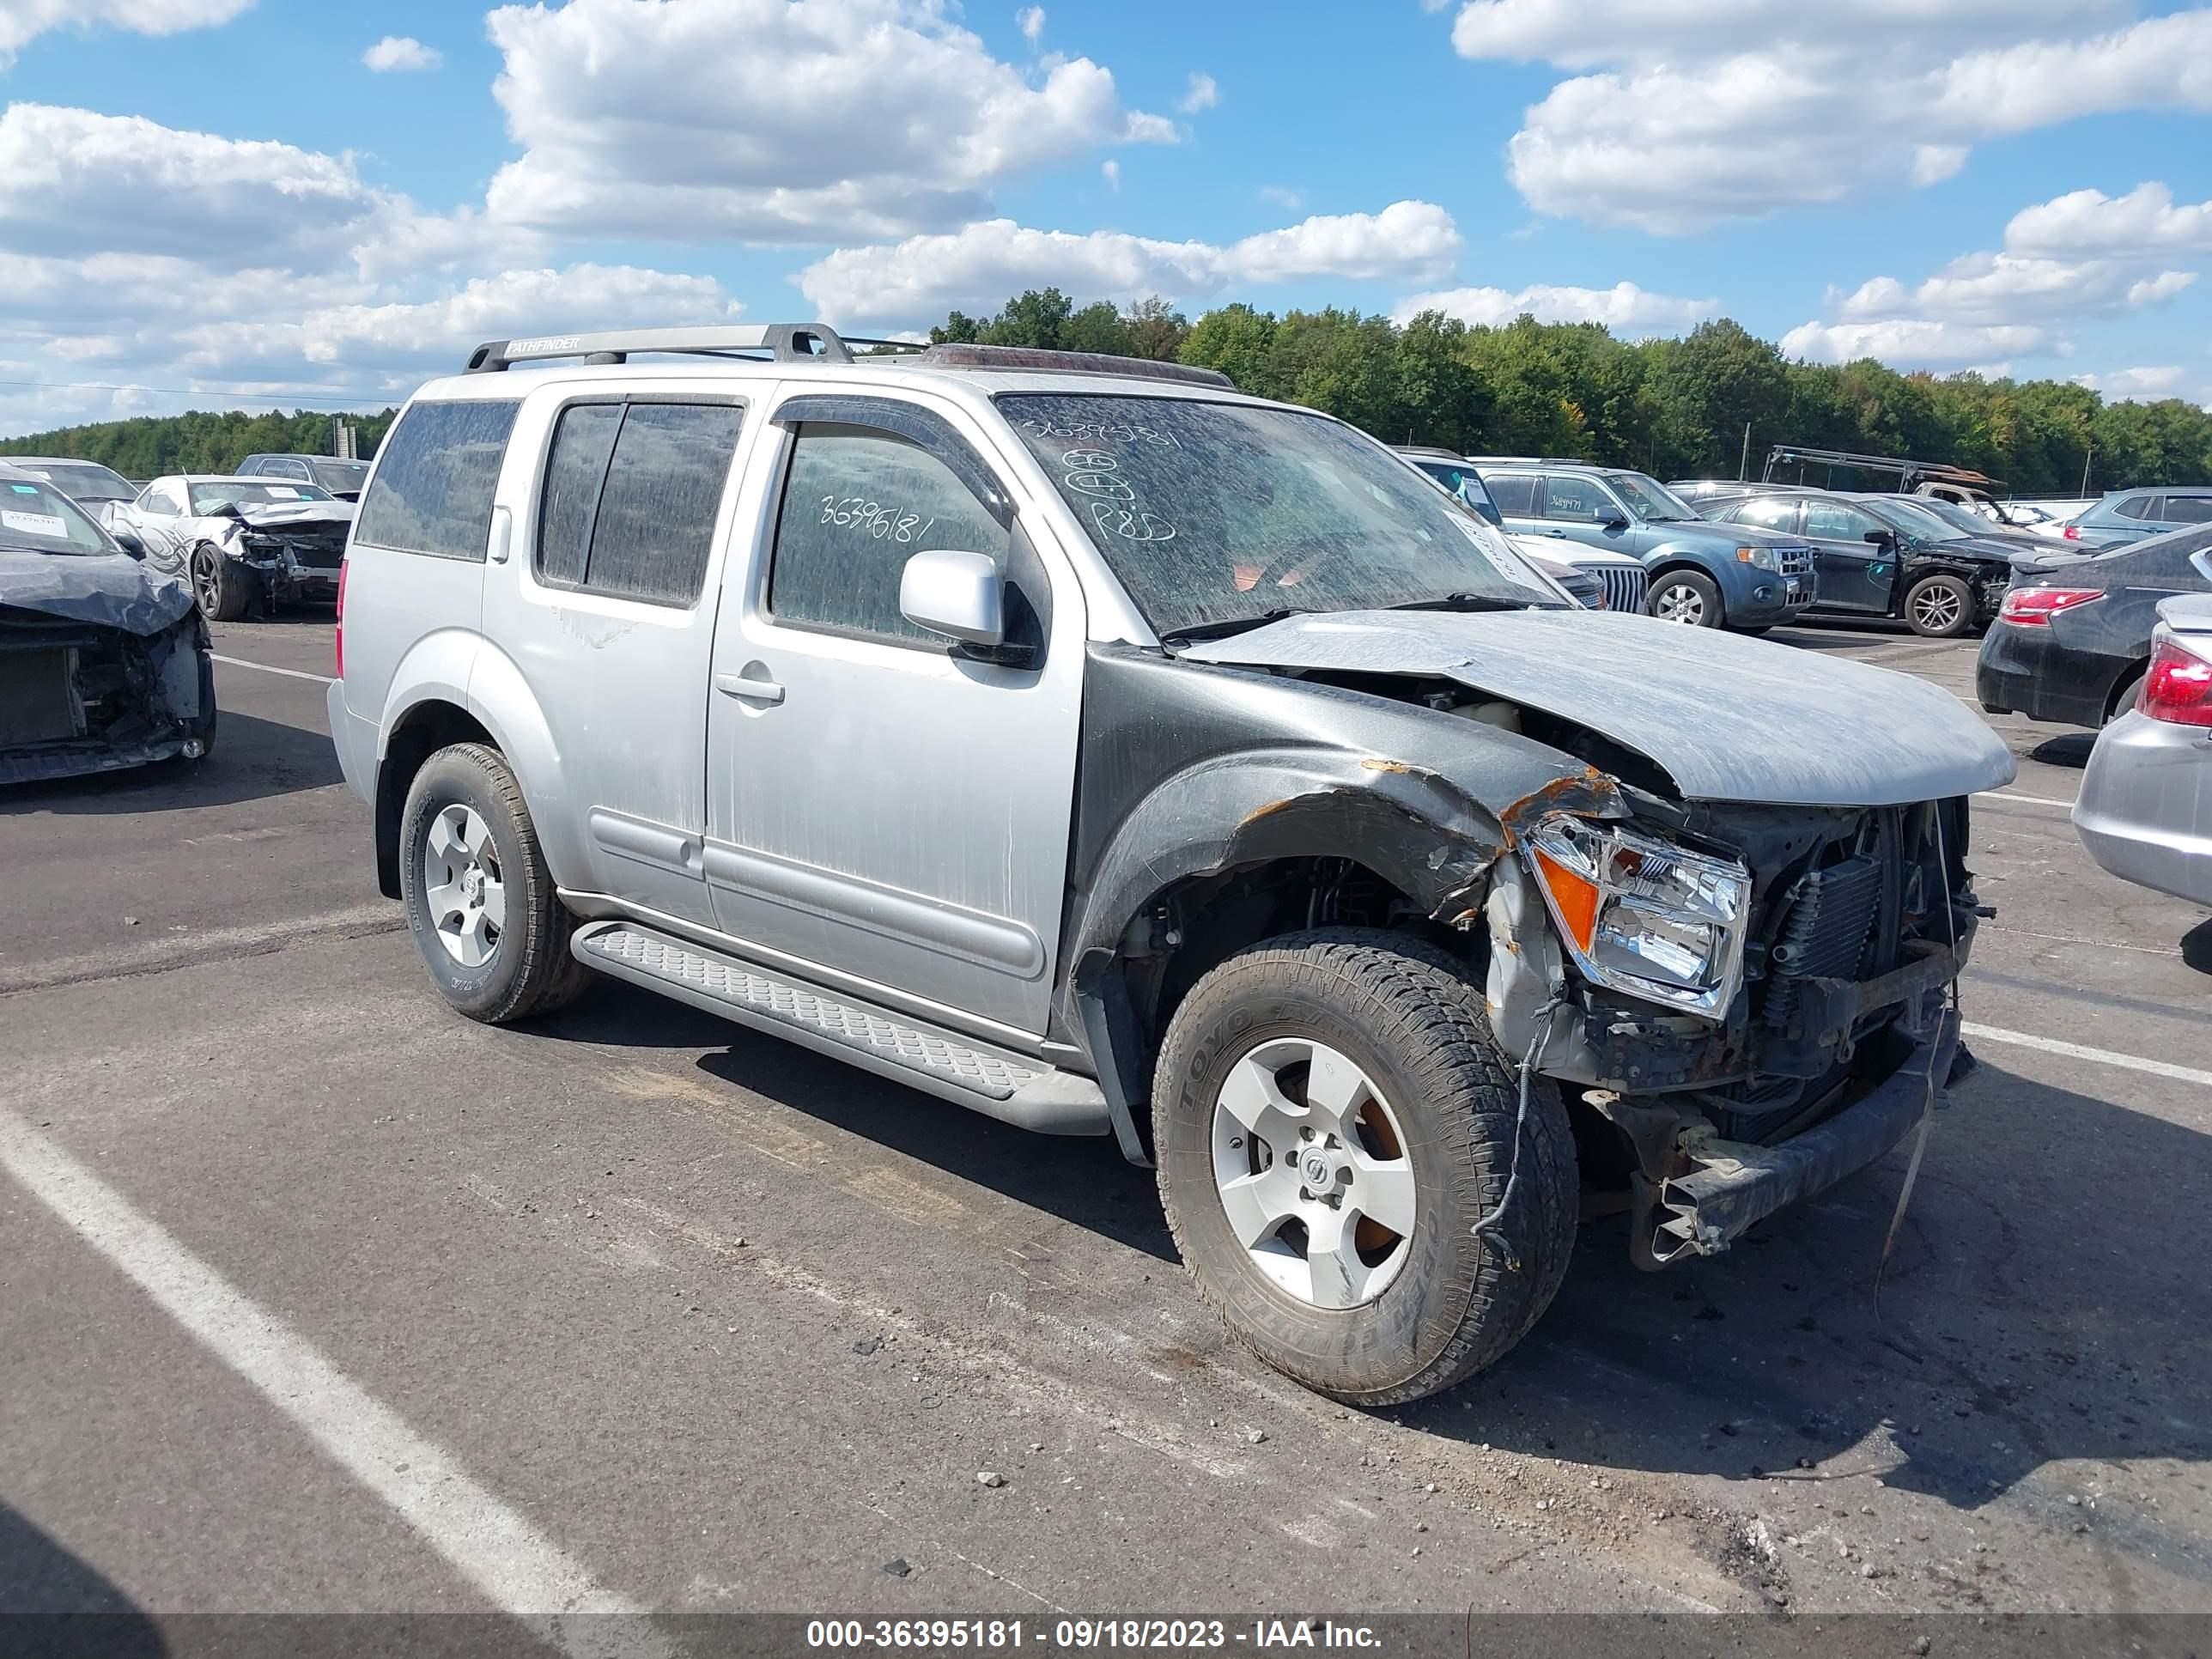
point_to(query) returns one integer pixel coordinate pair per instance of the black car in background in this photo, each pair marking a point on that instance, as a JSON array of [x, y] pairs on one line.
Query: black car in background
[[1883, 556], [2073, 640], [343, 479], [86, 483]]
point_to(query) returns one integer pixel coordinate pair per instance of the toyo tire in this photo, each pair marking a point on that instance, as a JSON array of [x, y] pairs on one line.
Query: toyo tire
[[1371, 1323]]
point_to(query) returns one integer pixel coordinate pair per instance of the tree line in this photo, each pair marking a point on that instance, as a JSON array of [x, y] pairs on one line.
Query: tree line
[[1699, 406], [152, 445], [1693, 407]]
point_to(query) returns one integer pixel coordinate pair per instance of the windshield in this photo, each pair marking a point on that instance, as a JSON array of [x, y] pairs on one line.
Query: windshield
[[84, 481], [1214, 512], [340, 476], [1964, 519], [1652, 502], [1466, 485], [1913, 518], [254, 492], [36, 515]]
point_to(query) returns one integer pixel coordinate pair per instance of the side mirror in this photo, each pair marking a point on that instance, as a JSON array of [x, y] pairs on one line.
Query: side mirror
[[1608, 517], [961, 595], [129, 542], [1882, 537]]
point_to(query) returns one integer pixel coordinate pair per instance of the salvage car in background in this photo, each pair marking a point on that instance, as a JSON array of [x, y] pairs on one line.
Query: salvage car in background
[[1595, 578], [88, 483], [1084, 742], [2145, 809], [343, 479], [104, 662], [2072, 642], [244, 544], [1884, 556], [1699, 574], [2133, 515]]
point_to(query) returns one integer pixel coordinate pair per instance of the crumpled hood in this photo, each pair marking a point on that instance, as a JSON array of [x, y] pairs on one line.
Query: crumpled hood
[[108, 590], [1728, 717], [297, 515]]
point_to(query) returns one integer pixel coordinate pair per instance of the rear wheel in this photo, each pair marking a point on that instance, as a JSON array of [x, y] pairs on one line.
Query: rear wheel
[[1332, 1121], [1687, 596], [2123, 695], [480, 901], [1940, 608], [218, 584]]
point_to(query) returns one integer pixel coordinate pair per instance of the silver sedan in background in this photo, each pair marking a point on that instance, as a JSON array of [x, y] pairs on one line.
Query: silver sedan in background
[[2145, 810]]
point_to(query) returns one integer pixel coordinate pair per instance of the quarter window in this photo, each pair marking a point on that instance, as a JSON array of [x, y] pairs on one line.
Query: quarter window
[[858, 503], [632, 491], [2136, 507], [434, 488]]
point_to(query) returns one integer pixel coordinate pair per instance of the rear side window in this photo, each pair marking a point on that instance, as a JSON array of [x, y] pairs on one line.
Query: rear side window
[[631, 493], [1777, 513], [2188, 509], [1578, 500], [858, 503], [2136, 507], [434, 480], [1515, 496]]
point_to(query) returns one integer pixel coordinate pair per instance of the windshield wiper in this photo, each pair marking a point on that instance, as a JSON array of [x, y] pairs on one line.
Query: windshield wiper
[[1224, 627], [1467, 602]]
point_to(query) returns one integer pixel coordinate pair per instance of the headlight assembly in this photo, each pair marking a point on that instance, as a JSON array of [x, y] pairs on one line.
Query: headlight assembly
[[1644, 917], [1764, 557]]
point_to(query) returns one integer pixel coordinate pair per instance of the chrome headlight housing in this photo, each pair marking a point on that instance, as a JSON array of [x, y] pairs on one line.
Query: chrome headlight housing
[[1644, 917], [1764, 558]]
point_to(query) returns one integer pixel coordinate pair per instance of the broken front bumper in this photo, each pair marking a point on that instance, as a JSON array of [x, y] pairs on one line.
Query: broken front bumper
[[1722, 1189]]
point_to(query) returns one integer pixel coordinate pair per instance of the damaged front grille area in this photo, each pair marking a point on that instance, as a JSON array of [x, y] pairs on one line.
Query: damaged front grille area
[[307, 549], [76, 698], [1826, 932]]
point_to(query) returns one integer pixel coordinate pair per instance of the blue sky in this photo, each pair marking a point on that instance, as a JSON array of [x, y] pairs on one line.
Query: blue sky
[[222, 196]]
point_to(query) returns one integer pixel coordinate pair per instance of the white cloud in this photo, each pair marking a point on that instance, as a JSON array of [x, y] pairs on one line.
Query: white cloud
[[1679, 114], [2002, 288], [1200, 93], [1030, 21], [1914, 342], [1110, 170], [2125, 384], [401, 53], [1625, 309], [22, 21], [2144, 221], [778, 121], [980, 265]]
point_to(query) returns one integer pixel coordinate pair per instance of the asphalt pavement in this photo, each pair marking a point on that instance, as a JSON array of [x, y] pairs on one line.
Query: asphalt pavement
[[323, 1300]]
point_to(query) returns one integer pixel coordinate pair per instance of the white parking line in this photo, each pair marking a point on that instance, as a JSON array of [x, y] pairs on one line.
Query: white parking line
[[2032, 800], [523, 1572], [289, 673], [2078, 1051]]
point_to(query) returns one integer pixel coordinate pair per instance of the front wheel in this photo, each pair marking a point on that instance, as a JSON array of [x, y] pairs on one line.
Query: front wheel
[[1687, 596], [480, 901], [1940, 608], [219, 585], [1332, 1121]]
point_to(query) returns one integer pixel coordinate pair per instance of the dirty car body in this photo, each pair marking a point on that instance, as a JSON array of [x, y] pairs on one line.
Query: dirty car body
[[104, 663]]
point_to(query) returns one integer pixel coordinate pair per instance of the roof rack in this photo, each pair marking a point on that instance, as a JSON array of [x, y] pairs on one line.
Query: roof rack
[[783, 342], [1909, 473], [963, 354]]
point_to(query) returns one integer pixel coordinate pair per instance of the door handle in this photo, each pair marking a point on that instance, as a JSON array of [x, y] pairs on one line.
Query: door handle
[[736, 685], [1561, 534]]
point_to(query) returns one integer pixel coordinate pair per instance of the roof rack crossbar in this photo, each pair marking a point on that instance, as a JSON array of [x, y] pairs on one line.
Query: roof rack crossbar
[[782, 341], [1909, 472]]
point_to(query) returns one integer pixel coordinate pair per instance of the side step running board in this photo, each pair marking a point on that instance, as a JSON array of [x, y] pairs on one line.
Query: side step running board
[[1019, 1089]]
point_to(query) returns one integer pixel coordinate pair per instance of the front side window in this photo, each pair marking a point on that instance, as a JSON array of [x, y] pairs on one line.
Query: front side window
[[1575, 500], [632, 491], [1222, 512], [858, 503], [2188, 509], [1835, 522], [434, 489], [34, 515], [1653, 501]]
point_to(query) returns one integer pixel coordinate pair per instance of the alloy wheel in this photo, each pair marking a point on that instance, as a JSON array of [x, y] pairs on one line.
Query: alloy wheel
[[461, 885], [1313, 1173], [1678, 602], [1936, 609]]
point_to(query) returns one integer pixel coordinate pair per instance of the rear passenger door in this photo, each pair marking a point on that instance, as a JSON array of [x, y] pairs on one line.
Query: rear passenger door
[[1515, 495], [887, 811], [604, 607]]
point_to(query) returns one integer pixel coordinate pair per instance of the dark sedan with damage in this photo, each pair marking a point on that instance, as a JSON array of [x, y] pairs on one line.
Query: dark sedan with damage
[[104, 663], [2073, 638]]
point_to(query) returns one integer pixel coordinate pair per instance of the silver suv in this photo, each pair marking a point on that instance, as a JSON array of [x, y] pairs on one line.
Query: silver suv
[[1080, 741]]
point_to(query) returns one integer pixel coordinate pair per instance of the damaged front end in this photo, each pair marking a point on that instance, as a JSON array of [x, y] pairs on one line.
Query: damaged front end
[[292, 549], [103, 666], [1757, 1031]]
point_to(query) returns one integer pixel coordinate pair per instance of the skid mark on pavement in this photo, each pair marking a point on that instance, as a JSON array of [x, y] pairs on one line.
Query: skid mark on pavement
[[518, 1569]]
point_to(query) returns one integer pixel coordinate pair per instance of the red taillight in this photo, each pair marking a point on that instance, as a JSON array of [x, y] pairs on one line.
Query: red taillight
[[2177, 687], [2034, 607], [338, 633], [2072, 533]]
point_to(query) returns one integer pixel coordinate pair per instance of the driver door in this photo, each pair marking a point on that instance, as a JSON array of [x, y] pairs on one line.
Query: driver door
[[1579, 509], [886, 811], [1855, 574]]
